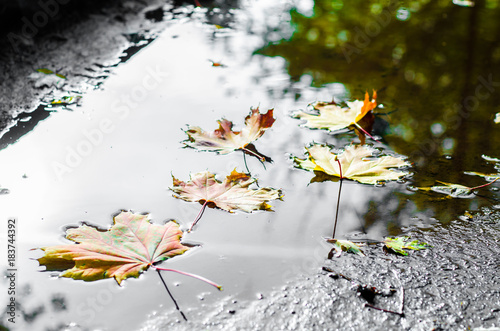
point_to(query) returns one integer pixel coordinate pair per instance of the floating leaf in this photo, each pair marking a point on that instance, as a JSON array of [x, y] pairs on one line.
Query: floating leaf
[[457, 190], [358, 163], [127, 249], [345, 246], [224, 140], [61, 76], [231, 194], [332, 117], [453, 190], [399, 244]]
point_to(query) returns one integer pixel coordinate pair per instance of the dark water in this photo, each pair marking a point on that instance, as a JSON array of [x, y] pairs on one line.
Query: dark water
[[434, 64]]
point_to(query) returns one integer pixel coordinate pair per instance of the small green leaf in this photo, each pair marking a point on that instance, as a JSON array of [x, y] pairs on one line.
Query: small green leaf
[[345, 246], [61, 76], [399, 244], [66, 100], [45, 71]]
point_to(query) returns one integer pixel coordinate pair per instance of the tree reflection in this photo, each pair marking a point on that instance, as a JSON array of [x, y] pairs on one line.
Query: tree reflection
[[435, 66]]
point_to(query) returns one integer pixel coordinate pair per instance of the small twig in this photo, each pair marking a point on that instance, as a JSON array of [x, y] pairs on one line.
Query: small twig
[[171, 296], [384, 310], [200, 214], [338, 199]]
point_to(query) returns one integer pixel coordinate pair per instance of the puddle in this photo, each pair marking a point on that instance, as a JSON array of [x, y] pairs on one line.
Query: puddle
[[119, 149]]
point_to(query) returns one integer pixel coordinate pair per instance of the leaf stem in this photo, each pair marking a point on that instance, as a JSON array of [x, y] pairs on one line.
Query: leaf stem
[[480, 186], [245, 160], [203, 279], [261, 159], [338, 199], [384, 310], [200, 214], [171, 296], [366, 132]]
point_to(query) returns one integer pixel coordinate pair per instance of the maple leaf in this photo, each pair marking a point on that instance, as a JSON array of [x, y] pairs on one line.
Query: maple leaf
[[345, 246], [357, 163], [231, 194], [224, 140], [127, 249], [399, 244], [333, 118]]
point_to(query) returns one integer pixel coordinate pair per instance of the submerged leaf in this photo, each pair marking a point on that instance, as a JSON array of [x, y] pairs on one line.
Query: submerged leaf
[[490, 159], [460, 191], [332, 117], [358, 163], [127, 249], [399, 244], [485, 176], [345, 246], [492, 177], [231, 194], [452, 190], [224, 140]]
